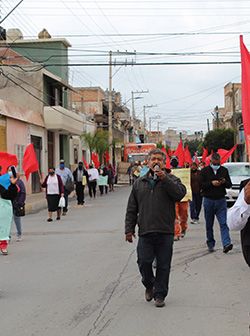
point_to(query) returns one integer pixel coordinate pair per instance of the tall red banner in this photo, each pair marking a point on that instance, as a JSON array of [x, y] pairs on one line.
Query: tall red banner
[[245, 91], [30, 163]]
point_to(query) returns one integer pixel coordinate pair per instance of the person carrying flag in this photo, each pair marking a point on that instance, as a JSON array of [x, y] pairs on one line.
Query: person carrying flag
[[8, 192]]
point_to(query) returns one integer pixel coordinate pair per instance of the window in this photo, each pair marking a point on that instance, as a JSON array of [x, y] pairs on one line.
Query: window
[[239, 170], [19, 153]]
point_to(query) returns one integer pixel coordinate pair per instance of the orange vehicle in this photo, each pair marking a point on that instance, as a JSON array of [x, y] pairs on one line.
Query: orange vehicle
[[137, 152]]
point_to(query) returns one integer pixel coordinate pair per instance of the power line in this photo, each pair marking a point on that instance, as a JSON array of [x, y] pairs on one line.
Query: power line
[[19, 3], [130, 64], [147, 34]]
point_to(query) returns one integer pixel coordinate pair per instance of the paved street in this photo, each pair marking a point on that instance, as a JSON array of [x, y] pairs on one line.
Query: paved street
[[79, 277]]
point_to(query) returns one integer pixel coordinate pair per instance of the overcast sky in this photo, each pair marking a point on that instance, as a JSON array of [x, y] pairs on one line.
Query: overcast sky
[[185, 95]]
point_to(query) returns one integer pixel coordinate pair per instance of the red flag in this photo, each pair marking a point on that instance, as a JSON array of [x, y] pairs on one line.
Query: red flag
[[85, 163], [225, 154], [168, 165], [163, 149], [7, 160], [95, 159], [245, 92], [187, 156], [30, 163], [107, 157], [207, 160], [204, 154], [197, 160], [179, 152]]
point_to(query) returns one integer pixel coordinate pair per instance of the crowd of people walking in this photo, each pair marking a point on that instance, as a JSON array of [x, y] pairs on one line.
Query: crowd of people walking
[[58, 184], [160, 202]]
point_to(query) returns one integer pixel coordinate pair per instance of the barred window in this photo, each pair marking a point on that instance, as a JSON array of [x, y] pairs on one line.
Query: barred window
[[19, 153]]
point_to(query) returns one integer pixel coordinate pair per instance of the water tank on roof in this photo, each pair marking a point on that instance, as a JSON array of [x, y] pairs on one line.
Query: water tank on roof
[[14, 34], [44, 34]]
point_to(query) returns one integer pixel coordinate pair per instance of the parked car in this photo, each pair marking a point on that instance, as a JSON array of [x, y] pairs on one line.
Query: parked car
[[238, 172]]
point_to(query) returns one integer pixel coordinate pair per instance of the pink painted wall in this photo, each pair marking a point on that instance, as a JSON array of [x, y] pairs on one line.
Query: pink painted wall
[[17, 134]]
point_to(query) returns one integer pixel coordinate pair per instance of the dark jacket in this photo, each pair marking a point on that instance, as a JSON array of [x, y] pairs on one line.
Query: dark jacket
[[84, 173], [10, 193], [151, 204], [60, 182], [196, 181], [245, 233], [210, 191], [19, 201]]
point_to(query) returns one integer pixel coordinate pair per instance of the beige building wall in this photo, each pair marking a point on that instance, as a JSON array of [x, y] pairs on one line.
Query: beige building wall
[[88, 100]]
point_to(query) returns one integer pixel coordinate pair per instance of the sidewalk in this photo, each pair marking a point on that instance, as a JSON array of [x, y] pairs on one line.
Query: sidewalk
[[35, 203]]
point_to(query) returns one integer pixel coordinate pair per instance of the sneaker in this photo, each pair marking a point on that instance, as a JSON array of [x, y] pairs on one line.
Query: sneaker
[[183, 233], [18, 238], [149, 294], [227, 248], [58, 218], [176, 238], [64, 214], [159, 303], [192, 221], [4, 251], [211, 249], [49, 220]]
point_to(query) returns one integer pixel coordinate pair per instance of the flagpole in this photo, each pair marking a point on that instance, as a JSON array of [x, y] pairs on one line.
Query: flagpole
[[40, 175]]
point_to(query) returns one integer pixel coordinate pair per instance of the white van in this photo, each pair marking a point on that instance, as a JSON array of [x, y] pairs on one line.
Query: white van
[[238, 171]]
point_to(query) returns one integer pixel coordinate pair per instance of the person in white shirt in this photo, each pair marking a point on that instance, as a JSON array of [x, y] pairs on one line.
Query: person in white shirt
[[67, 177], [54, 190], [93, 177], [238, 218]]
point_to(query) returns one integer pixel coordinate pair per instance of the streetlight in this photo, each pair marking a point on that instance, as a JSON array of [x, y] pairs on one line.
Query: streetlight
[[131, 99]]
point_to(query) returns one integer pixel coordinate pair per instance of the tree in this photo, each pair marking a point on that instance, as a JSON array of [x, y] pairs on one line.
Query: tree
[[194, 146], [90, 141], [219, 138], [99, 142]]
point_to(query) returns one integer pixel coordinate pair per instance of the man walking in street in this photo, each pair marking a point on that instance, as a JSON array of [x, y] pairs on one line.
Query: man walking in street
[[151, 205], [81, 176], [196, 203], [214, 181], [68, 182]]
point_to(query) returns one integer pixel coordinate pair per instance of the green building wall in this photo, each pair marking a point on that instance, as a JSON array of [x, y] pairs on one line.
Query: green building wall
[[46, 52]]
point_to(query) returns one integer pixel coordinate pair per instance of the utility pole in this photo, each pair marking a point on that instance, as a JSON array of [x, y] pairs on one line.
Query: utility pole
[[208, 126], [110, 114], [133, 100], [158, 131], [133, 107], [216, 110], [153, 118], [144, 114]]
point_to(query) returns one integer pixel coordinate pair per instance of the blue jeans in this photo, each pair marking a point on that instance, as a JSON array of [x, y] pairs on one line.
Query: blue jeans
[[216, 208], [17, 221], [160, 247], [195, 206]]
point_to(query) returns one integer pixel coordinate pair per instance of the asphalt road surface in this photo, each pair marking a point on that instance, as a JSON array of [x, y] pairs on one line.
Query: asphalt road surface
[[78, 277]]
